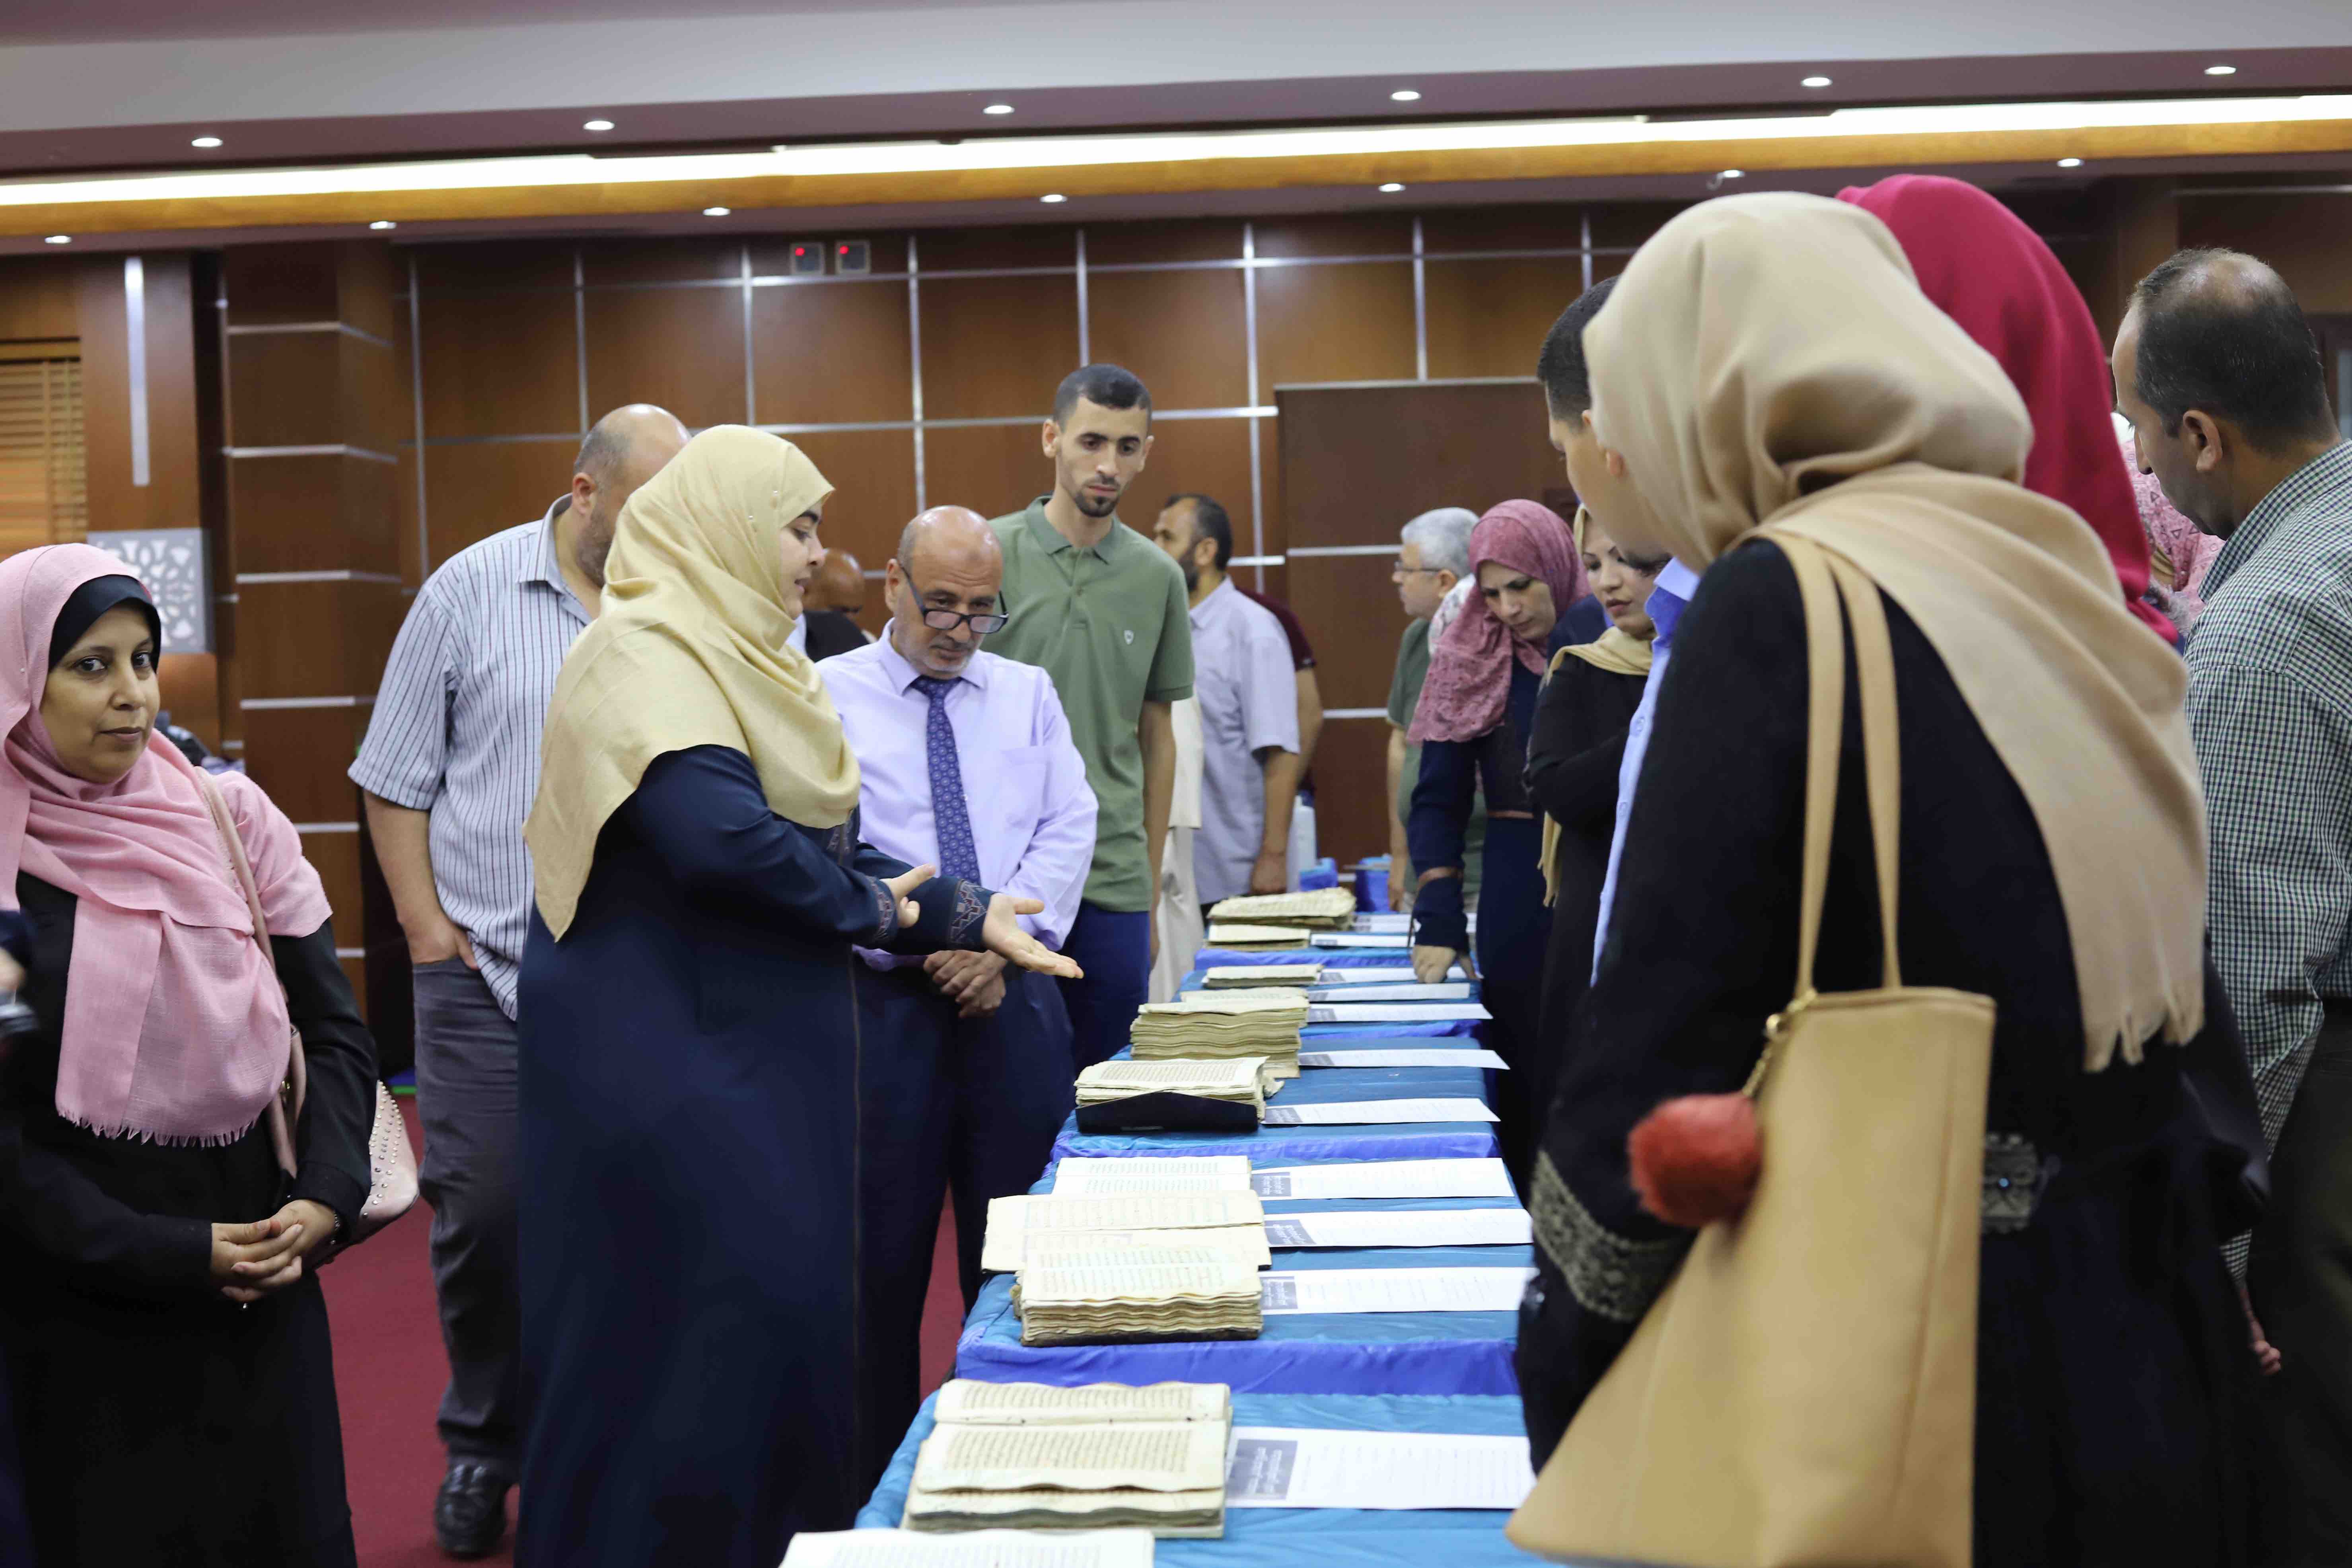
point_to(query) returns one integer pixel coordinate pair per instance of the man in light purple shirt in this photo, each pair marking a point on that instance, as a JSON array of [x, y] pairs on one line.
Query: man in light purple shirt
[[965, 763]]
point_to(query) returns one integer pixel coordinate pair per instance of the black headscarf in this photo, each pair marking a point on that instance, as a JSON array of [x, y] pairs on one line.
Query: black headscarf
[[93, 599]]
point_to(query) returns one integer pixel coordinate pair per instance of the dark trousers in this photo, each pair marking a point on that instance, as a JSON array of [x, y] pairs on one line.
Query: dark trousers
[[967, 1107], [2301, 1281], [1114, 948], [466, 1102]]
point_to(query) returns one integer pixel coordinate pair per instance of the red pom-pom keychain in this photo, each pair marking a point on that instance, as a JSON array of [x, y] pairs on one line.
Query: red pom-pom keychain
[[1695, 1159]]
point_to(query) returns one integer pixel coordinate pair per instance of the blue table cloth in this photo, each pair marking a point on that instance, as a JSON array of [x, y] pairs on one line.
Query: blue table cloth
[[1394, 1140], [1298, 1352], [1295, 1537]]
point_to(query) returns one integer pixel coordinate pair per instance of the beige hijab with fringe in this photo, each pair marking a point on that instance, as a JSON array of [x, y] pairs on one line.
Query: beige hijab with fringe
[[689, 650], [1768, 361]]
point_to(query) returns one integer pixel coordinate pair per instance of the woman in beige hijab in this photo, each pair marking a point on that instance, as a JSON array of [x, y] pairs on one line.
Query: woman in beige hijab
[[1768, 361], [689, 1041]]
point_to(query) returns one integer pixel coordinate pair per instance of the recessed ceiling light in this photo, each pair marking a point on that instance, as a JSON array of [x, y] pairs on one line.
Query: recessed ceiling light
[[1391, 189], [1405, 95], [205, 142], [597, 125], [1814, 81], [1734, 174], [717, 212], [2070, 162], [2220, 70], [1051, 200], [59, 239], [383, 223], [998, 109]]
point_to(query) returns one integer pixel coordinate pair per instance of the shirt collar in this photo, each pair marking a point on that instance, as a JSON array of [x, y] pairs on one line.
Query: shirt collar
[[1669, 596], [2328, 472], [1211, 607], [902, 675], [543, 566], [1051, 538]]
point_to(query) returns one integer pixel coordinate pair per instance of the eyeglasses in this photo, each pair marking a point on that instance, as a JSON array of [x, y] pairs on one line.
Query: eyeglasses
[[1399, 569], [944, 620]]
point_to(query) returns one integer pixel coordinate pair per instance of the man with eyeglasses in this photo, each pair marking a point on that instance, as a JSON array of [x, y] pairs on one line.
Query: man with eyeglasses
[[965, 763]]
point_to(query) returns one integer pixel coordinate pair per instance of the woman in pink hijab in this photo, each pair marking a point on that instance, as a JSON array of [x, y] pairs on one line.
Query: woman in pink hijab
[[1476, 716], [2179, 554], [160, 1316]]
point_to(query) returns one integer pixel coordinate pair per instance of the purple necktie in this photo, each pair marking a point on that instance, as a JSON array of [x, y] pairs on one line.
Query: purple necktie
[[959, 857]]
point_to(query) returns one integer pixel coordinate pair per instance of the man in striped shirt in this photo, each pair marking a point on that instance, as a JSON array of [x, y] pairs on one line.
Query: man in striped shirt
[[2221, 377], [449, 767]]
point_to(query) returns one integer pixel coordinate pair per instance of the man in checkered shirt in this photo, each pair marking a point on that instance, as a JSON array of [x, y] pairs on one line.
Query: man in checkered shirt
[[2220, 378]]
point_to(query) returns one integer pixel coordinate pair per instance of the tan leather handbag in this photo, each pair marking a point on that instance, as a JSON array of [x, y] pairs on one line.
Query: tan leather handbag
[[391, 1161], [1804, 1390]]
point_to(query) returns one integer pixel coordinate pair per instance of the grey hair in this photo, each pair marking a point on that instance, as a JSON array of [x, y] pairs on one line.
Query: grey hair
[[1443, 536]]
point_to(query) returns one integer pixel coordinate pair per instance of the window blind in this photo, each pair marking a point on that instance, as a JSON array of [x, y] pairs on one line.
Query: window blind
[[44, 497]]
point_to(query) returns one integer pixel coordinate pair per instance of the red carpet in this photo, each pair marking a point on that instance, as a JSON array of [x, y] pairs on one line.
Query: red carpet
[[389, 1370]]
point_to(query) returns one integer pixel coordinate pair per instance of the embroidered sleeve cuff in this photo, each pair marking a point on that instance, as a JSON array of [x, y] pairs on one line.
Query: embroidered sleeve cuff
[[1611, 1276]]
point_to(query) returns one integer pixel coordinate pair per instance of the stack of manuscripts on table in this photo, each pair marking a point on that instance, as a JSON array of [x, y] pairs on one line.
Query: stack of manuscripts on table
[[1261, 1021], [1324, 909], [1244, 936], [1026, 1455], [1251, 976], [1233, 1080], [1107, 1269]]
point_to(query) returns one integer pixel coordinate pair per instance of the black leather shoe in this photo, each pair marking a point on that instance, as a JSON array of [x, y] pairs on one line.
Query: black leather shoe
[[470, 1517]]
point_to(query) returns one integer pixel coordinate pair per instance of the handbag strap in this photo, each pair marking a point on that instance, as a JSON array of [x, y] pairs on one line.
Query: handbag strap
[[1822, 580], [225, 826]]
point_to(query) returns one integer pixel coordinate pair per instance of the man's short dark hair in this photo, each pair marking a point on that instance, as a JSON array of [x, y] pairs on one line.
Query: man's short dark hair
[[1209, 521], [2221, 331], [1104, 386], [1568, 386]]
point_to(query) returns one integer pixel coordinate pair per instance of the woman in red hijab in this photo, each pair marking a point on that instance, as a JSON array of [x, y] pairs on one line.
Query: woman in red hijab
[[1476, 714], [1984, 268]]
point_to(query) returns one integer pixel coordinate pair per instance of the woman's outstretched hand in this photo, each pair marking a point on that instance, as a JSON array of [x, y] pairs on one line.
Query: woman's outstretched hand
[[1003, 936], [902, 888]]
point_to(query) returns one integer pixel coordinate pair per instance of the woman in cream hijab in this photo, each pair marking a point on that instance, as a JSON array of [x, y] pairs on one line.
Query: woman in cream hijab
[[689, 1042], [1768, 361]]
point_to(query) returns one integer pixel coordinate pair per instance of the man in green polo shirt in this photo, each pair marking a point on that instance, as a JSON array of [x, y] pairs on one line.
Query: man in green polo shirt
[[1104, 611]]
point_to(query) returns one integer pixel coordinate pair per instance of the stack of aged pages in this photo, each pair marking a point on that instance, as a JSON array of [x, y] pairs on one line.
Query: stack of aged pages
[[1026, 1455], [1056, 1229], [1247, 977], [1324, 909], [1262, 1021], [1167, 1265], [1239, 1080], [1243, 937]]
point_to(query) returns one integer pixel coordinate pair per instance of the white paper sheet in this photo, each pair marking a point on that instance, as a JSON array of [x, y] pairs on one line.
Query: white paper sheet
[[1357, 939], [1400, 1227], [1401, 991], [1385, 1179], [1404, 1056], [1083, 1178], [1375, 1112], [1397, 1013], [980, 1549], [1386, 922], [1401, 975], [1392, 1289], [1285, 1466]]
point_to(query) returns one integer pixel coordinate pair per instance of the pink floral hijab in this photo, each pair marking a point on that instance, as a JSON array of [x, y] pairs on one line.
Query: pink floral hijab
[[1469, 680], [175, 1026], [2180, 554]]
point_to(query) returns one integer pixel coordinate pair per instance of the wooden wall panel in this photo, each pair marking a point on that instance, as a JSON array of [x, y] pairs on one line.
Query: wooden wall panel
[[172, 497], [1202, 457], [1185, 333], [499, 363], [190, 693], [473, 490], [673, 260], [1276, 531], [1028, 244], [995, 347], [1360, 461], [2307, 239], [284, 500], [477, 265], [274, 385], [832, 353], [284, 741], [39, 296], [994, 469], [1555, 226], [315, 639], [1353, 234], [336, 856], [1489, 318], [1348, 605], [274, 285], [873, 475], [681, 348], [1350, 786], [1334, 324], [1194, 239]]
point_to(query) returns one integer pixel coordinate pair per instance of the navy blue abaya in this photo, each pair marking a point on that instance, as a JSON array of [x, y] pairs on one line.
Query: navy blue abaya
[[689, 1068]]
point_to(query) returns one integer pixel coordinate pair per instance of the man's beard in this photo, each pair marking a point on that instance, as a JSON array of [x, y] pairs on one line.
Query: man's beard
[[1191, 574], [1090, 505]]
